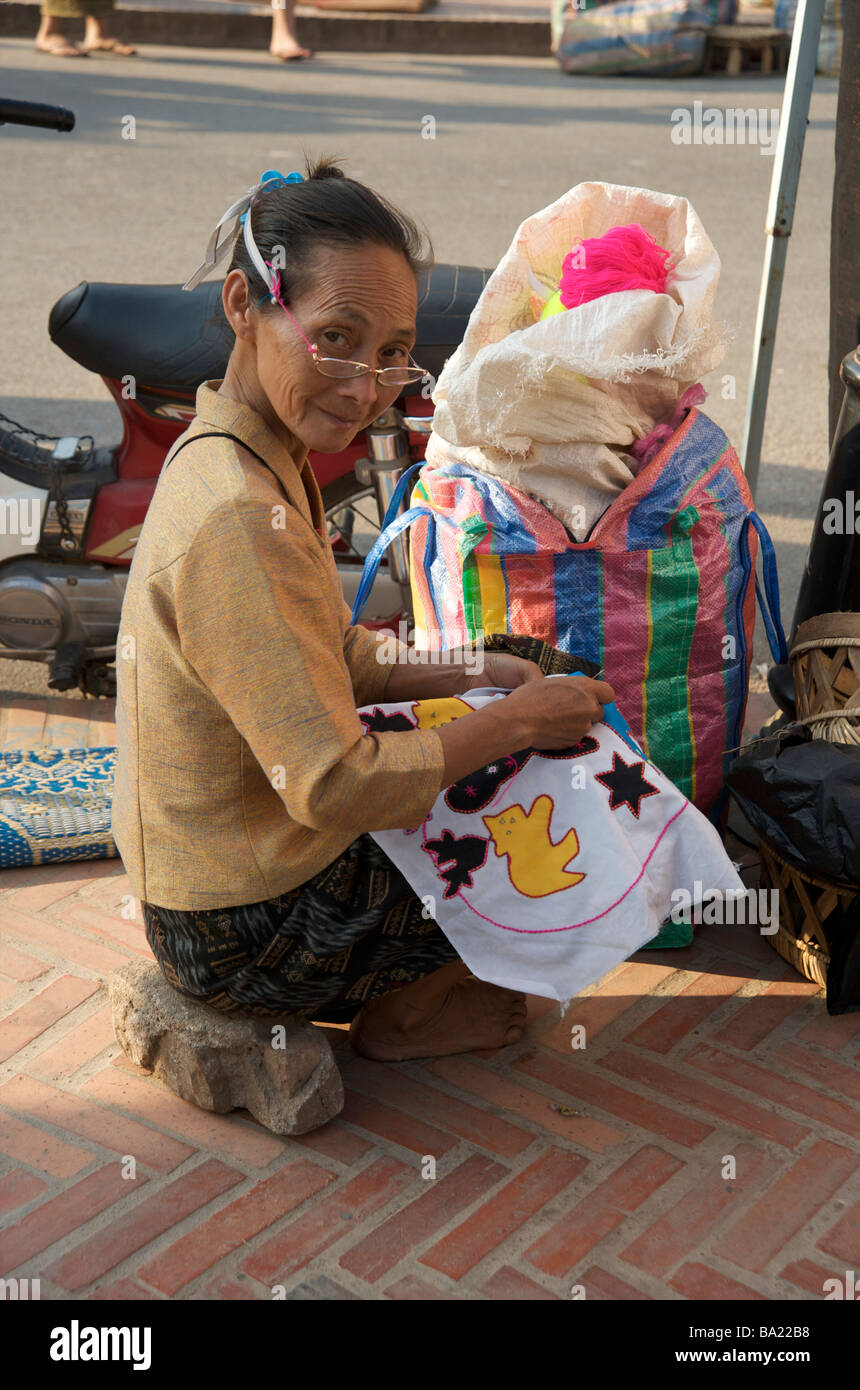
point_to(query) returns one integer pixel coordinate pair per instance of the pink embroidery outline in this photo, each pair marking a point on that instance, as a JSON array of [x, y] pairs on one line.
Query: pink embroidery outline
[[547, 931]]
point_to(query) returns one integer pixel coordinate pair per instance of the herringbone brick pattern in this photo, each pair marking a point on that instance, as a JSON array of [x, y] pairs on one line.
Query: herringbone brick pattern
[[702, 1145]]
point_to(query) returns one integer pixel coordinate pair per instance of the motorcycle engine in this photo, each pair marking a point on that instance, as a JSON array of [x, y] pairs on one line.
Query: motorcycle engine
[[44, 604]]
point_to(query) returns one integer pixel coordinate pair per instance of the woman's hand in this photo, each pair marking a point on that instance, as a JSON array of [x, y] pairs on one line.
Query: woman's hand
[[503, 670], [541, 712], [559, 711]]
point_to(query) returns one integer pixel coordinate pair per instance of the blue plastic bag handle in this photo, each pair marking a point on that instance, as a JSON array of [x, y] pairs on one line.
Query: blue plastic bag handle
[[375, 554], [399, 493], [387, 533], [769, 600]]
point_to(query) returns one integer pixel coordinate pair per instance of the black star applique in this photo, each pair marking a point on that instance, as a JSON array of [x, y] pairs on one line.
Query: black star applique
[[626, 784]]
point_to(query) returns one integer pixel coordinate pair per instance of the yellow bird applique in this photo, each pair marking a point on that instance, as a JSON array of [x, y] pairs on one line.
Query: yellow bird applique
[[432, 714], [536, 866]]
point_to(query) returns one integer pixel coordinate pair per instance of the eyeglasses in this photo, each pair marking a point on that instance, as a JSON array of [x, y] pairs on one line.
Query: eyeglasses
[[344, 369]]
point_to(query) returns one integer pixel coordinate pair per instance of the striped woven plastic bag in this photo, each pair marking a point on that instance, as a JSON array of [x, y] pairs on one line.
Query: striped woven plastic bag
[[563, 11], [659, 38], [661, 595]]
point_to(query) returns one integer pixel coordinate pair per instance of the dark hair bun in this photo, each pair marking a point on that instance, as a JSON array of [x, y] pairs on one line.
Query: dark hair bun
[[325, 168], [294, 220]]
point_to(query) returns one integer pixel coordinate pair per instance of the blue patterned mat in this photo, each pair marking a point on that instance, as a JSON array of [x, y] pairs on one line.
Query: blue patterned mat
[[55, 804]]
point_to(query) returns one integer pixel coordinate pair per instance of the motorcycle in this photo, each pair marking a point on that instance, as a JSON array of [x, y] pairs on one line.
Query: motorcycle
[[62, 587]]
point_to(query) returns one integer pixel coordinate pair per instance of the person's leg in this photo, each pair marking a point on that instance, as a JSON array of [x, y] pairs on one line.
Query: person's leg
[[284, 44], [97, 39], [50, 38], [353, 943]]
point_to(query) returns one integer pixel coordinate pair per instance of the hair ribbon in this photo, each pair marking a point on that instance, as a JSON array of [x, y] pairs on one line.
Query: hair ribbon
[[225, 229]]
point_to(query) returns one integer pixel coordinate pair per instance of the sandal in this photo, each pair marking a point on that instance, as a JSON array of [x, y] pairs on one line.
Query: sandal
[[111, 48]]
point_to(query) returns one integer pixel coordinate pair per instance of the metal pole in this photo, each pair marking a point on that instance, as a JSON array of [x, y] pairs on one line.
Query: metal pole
[[780, 218]]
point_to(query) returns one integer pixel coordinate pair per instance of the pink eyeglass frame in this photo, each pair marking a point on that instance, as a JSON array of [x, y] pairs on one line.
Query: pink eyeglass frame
[[275, 297]]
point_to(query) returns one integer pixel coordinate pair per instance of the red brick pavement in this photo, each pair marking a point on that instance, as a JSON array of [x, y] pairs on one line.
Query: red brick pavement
[[702, 1146], [112, 1187]]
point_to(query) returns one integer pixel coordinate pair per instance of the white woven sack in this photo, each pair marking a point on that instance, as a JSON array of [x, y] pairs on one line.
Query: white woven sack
[[552, 406]]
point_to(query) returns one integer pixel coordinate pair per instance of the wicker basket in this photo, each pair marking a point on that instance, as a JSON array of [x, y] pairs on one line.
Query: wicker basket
[[825, 663], [805, 904]]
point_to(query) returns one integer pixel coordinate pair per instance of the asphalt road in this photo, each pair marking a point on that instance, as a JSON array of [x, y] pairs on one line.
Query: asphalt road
[[511, 136]]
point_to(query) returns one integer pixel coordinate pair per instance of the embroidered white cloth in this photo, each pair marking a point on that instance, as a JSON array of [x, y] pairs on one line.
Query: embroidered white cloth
[[547, 869]]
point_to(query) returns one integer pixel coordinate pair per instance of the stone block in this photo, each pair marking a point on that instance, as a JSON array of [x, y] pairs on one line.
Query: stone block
[[281, 1070]]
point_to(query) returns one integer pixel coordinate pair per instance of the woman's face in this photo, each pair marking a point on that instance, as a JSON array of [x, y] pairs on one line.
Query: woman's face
[[361, 304]]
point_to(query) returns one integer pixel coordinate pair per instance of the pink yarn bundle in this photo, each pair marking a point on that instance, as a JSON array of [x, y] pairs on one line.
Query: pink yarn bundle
[[624, 258], [644, 450]]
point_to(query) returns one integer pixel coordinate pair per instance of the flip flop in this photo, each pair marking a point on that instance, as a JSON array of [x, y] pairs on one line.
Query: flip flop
[[62, 48], [293, 57], [110, 48]]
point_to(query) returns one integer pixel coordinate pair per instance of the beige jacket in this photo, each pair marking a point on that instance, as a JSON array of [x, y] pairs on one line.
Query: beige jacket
[[242, 768]]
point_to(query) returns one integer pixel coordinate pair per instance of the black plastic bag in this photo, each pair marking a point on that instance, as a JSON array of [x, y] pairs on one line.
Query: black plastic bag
[[803, 796]]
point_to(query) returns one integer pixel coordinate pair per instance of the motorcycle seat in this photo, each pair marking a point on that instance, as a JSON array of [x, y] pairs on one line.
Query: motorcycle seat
[[170, 340]]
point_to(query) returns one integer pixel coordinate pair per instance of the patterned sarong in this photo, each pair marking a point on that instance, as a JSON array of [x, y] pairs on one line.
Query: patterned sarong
[[77, 9], [353, 932]]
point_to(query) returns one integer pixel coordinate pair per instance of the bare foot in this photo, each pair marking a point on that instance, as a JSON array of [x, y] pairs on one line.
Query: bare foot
[[58, 47], [288, 53], [446, 1012], [112, 47]]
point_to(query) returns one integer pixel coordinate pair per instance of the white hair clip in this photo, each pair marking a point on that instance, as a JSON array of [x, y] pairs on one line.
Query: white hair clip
[[251, 246], [224, 233]]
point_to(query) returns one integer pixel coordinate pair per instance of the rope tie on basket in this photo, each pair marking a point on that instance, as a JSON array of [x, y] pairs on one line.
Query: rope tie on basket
[[854, 730], [833, 725], [820, 642]]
